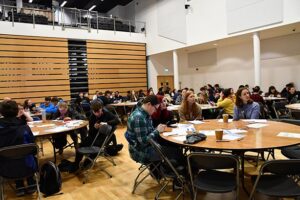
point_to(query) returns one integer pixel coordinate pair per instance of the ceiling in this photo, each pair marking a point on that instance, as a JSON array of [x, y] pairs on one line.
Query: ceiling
[[264, 34], [102, 6]]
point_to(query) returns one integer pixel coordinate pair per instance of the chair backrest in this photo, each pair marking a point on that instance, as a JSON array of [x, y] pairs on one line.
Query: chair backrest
[[282, 167], [220, 113], [164, 158], [295, 114], [106, 130], [209, 161], [280, 109], [17, 161]]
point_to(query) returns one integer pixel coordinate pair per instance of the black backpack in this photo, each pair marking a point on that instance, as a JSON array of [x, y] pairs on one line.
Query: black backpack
[[50, 179]]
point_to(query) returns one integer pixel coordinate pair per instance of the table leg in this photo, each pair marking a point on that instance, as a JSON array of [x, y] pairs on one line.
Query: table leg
[[242, 157]]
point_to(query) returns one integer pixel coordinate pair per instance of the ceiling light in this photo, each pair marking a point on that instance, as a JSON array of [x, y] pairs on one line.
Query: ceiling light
[[91, 8], [215, 44], [63, 4], [30, 1]]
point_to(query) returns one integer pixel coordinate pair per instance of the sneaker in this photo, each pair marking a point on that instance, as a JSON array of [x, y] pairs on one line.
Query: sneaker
[[73, 168], [119, 147]]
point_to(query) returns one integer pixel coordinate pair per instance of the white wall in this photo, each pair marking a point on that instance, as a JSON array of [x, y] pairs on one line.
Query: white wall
[[206, 21], [234, 65], [124, 12], [47, 31]]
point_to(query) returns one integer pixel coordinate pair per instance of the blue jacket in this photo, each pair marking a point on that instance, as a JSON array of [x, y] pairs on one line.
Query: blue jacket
[[49, 109], [247, 111]]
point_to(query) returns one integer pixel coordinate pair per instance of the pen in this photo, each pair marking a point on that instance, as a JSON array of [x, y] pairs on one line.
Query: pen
[[223, 140]]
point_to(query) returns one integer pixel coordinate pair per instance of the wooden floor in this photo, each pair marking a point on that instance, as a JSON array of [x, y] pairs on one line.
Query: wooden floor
[[100, 186]]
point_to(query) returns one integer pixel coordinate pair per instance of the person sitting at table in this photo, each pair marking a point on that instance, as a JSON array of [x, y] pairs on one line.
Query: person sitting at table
[[285, 91], [100, 117], [255, 96], [106, 98], [140, 129], [117, 97], [226, 102], [79, 98], [29, 106], [161, 115], [66, 114], [272, 92], [133, 96], [245, 107], [293, 95], [24, 115], [14, 131], [48, 107], [189, 109], [180, 97]]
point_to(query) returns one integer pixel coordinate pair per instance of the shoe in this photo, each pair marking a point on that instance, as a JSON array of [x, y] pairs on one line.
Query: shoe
[[87, 164], [119, 147], [20, 192]]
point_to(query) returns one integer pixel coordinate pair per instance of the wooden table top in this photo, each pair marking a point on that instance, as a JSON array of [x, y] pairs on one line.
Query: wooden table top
[[52, 127], [124, 104], [255, 138], [294, 106], [203, 107], [273, 98]]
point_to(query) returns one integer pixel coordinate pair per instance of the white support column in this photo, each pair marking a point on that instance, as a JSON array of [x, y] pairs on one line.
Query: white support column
[[175, 69], [256, 54], [19, 5]]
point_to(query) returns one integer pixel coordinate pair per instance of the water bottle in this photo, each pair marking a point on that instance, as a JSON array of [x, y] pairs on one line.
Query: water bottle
[[43, 115]]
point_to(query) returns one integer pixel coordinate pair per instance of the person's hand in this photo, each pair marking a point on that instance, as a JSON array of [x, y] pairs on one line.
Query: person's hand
[[161, 128], [97, 125]]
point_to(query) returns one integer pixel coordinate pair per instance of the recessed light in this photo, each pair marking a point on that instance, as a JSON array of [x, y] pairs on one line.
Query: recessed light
[[215, 44], [30, 1], [91, 8], [63, 4]]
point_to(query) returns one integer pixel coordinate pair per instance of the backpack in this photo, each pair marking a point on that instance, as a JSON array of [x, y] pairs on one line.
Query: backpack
[[50, 179]]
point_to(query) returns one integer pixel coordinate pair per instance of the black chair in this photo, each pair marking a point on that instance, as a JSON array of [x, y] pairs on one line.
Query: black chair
[[205, 175], [17, 155], [169, 171], [276, 179], [280, 110], [93, 153]]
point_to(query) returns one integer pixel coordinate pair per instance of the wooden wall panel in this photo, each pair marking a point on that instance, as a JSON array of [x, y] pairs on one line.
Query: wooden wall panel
[[33, 67], [116, 66]]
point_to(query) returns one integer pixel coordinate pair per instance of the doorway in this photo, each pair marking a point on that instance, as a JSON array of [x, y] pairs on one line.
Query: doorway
[[165, 81]]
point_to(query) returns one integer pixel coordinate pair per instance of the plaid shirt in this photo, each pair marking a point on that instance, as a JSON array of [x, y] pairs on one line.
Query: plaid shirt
[[139, 131]]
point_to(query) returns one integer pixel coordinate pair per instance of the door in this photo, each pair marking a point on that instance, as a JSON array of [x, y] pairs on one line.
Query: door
[[165, 82]]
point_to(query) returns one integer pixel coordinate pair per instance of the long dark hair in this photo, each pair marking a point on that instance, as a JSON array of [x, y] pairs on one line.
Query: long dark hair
[[239, 101]]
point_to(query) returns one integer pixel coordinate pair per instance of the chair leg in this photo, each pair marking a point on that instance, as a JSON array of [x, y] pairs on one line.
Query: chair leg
[[1, 189], [37, 186], [136, 182], [161, 189], [110, 159]]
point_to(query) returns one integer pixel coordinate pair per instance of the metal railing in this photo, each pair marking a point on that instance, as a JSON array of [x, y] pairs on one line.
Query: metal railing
[[70, 18]]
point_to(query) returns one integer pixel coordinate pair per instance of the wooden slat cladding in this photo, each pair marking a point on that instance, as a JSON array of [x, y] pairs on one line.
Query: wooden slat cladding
[[33, 67], [116, 66]]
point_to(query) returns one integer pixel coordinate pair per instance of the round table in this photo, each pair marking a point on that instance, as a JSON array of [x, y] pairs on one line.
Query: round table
[[53, 127], [274, 98], [254, 139], [203, 107], [294, 106]]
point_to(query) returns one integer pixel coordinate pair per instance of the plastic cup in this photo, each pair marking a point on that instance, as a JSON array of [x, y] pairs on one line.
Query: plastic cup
[[225, 118], [219, 134]]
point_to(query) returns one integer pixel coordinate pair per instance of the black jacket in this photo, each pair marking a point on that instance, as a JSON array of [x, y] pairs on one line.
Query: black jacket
[[107, 117], [15, 132]]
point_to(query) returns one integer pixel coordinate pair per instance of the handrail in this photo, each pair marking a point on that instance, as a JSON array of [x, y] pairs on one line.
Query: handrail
[[82, 19]]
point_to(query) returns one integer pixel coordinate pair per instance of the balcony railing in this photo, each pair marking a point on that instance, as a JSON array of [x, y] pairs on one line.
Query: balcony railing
[[69, 18]]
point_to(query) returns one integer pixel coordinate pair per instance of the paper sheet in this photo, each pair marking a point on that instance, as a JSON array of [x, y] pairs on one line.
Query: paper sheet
[[255, 120], [57, 129], [256, 125], [46, 125], [229, 120], [196, 122], [180, 138], [236, 131], [289, 135], [35, 133], [207, 132], [169, 133]]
